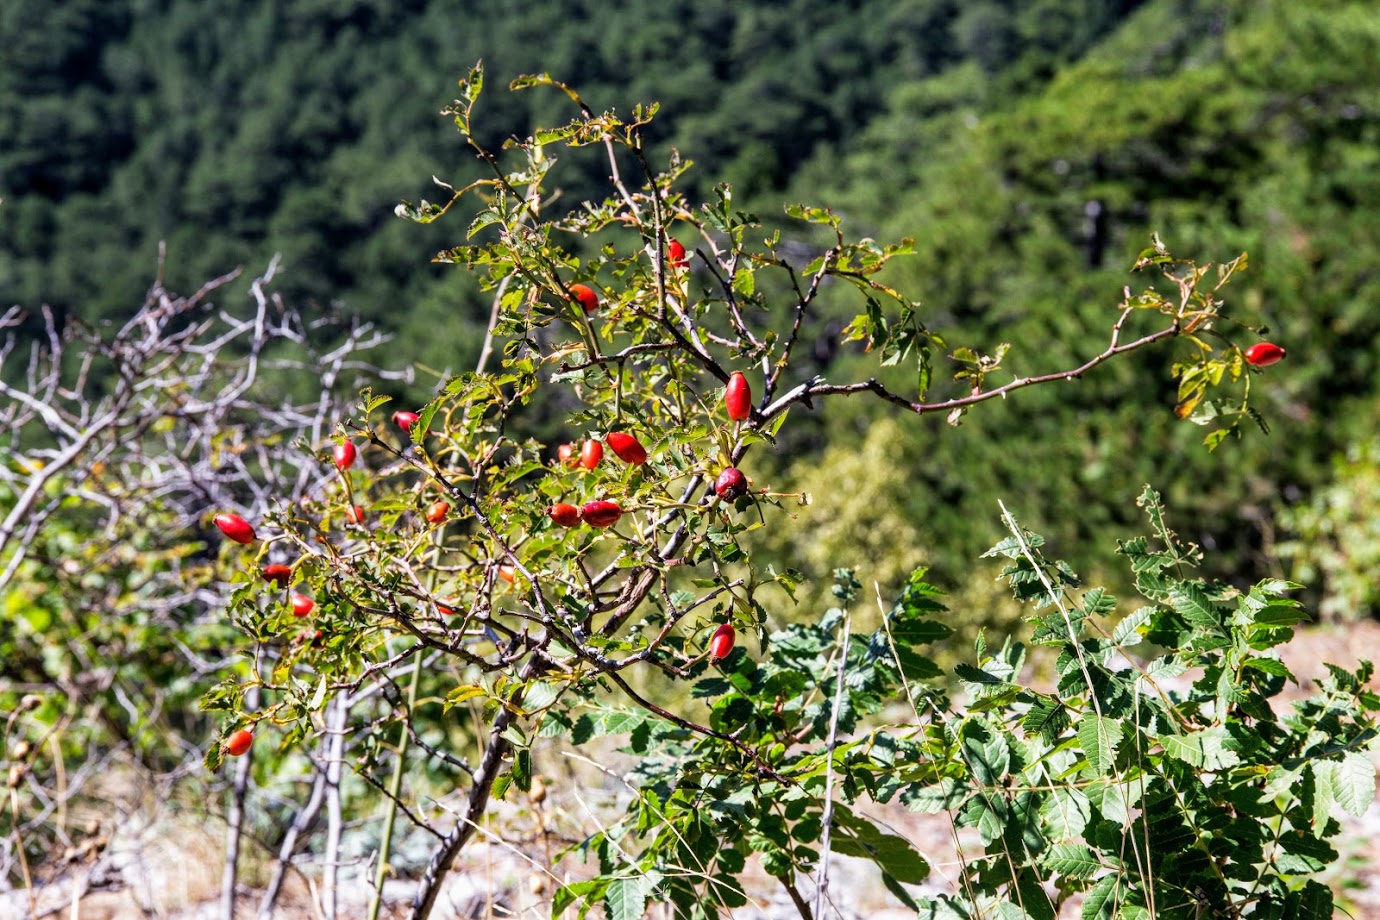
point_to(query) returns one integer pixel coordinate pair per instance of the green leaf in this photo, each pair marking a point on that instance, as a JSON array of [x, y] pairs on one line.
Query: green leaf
[[539, 695], [587, 891], [1100, 900], [893, 854], [1128, 632], [1312, 900], [1100, 737], [1355, 783], [626, 898], [986, 752], [943, 908], [1073, 860], [1065, 813], [1047, 717], [1211, 749], [932, 798], [1191, 602]]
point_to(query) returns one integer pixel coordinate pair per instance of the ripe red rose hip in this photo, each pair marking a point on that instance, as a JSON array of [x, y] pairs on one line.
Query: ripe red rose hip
[[277, 573], [1263, 354], [566, 454], [586, 296], [591, 453], [675, 251], [738, 397], [563, 514], [405, 420], [302, 605], [721, 643], [239, 743], [731, 484], [628, 448], [344, 455], [437, 512], [601, 514], [235, 527], [355, 514], [507, 573]]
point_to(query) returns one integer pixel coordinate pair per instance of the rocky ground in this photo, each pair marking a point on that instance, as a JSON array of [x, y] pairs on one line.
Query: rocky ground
[[167, 866]]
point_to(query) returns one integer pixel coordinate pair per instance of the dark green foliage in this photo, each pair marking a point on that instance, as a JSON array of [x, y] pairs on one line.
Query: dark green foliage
[[236, 130], [1122, 786]]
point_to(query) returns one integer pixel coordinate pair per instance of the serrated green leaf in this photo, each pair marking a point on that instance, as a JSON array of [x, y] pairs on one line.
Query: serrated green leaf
[[1065, 814], [1192, 603], [462, 693], [1100, 900], [1127, 632], [1312, 900], [626, 898], [1100, 737], [571, 892], [943, 908], [1355, 783], [1271, 666], [1073, 860], [932, 798]]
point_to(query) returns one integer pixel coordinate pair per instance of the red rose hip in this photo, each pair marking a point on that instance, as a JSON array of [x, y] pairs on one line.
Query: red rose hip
[[738, 397], [563, 514], [675, 251], [344, 455], [591, 453], [235, 527], [239, 743], [277, 573], [354, 514], [437, 512], [1263, 354], [585, 296], [566, 455], [721, 643], [628, 448], [731, 484], [302, 605], [601, 514], [405, 420]]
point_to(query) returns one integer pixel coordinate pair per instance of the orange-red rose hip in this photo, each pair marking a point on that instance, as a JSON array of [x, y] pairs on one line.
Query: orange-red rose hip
[[563, 514], [721, 643], [355, 514], [738, 397], [1263, 354], [586, 297], [277, 573], [437, 512], [235, 527], [344, 455], [628, 448], [731, 484], [239, 743], [601, 514], [591, 453]]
